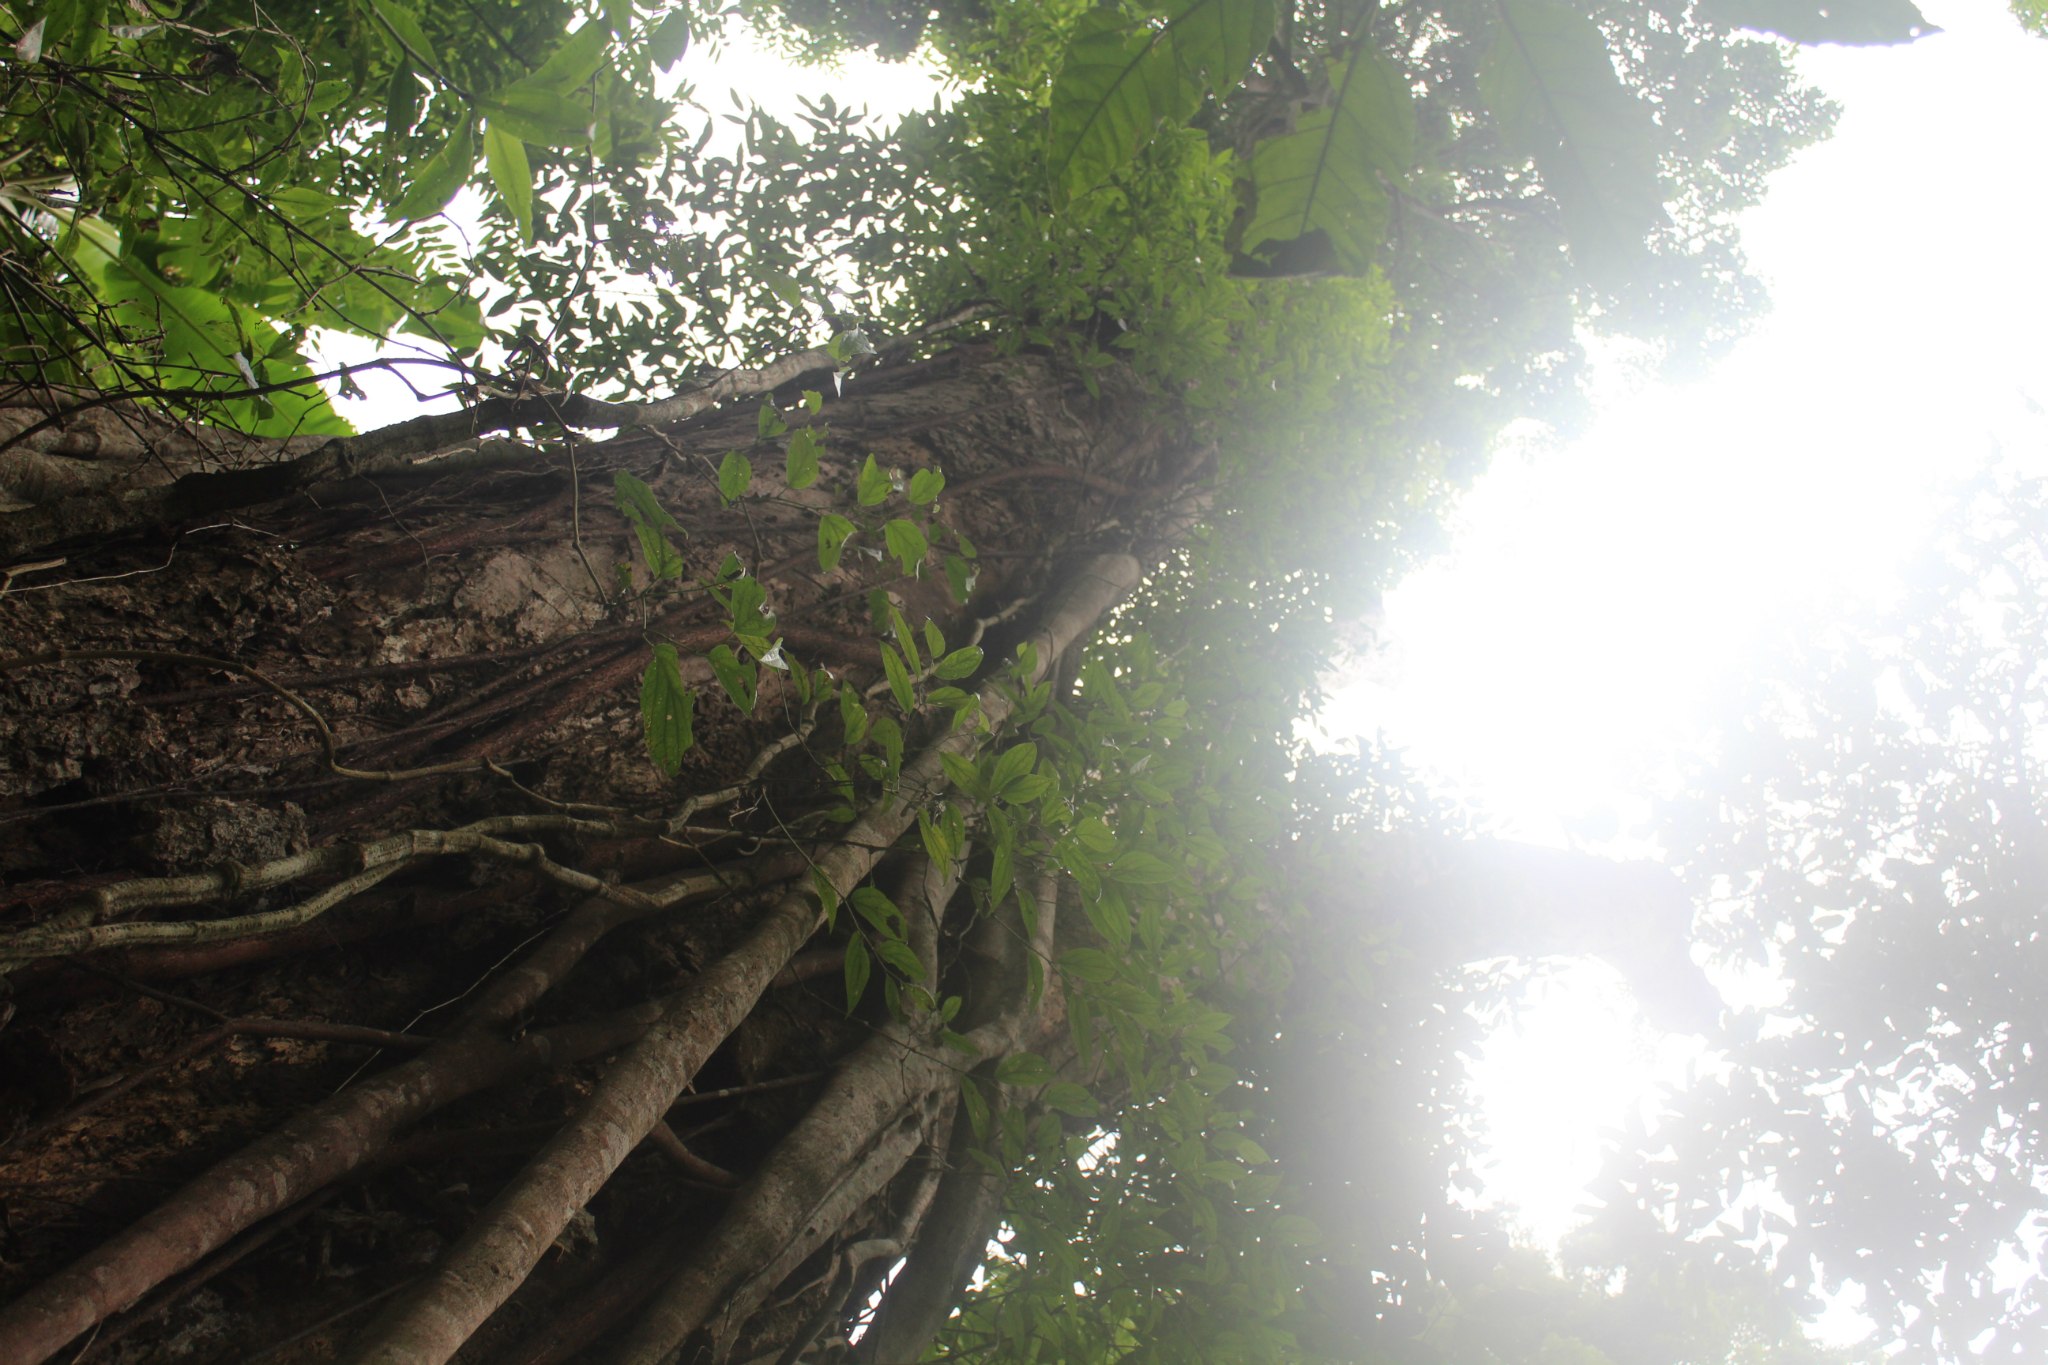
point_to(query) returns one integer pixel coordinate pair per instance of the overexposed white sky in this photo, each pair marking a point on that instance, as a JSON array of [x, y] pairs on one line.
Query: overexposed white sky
[[1594, 592], [1550, 663]]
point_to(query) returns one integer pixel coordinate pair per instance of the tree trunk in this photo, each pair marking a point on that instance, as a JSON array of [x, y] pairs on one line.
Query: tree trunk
[[359, 954]]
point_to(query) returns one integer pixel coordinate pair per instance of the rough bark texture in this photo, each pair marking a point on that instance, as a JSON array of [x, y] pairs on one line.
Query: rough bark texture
[[461, 595]]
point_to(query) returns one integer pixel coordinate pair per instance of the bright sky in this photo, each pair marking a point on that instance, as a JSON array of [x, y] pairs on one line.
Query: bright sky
[[1551, 661]]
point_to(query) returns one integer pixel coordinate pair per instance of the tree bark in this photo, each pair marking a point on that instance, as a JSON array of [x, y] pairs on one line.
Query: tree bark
[[419, 630]]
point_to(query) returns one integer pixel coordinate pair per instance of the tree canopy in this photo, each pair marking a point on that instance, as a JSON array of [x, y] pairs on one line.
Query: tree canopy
[[1114, 968]]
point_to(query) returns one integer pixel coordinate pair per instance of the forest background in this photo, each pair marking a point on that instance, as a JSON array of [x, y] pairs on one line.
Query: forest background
[[1518, 197]]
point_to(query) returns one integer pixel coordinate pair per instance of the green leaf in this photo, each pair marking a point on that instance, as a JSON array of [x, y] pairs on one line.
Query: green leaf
[[665, 710], [801, 469], [1002, 868], [934, 638], [925, 486], [878, 910], [768, 422], [445, 172], [637, 503], [749, 606], [899, 678], [853, 716], [906, 637], [900, 956], [1139, 868], [401, 104], [1853, 22], [959, 664], [545, 118], [1293, 1230], [1025, 790], [1553, 92], [1090, 964], [200, 333], [1069, 1098], [906, 543], [857, 970], [814, 402], [571, 64], [327, 94], [407, 35], [959, 1042], [670, 40], [977, 1107], [960, 577], [639, 506], [1319, 192], [937, 846], [738, 678], [1094, 834], [1119, 79], [1024, 1068], [889, 735], [506, 157], [833, 531], [291, 79], [964, 775], [874, 484], [828, 897], [735, 476], [1014, 764]]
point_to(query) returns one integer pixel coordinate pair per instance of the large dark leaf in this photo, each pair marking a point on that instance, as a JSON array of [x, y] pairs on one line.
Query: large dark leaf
[[505, 155], [546, 118], [1859, 22], [666, 710], [1121, 78], [1321, 191], [1556, 99], [446, 171]]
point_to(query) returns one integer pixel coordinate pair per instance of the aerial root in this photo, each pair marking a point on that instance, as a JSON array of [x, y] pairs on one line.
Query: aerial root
[[500, 1250], [345, 1133]]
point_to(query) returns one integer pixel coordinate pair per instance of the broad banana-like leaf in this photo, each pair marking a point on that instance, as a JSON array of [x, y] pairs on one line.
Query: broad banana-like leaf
[[1857, 22], [1120, 78], [1556, 99], [201, 336], [1320, 192]]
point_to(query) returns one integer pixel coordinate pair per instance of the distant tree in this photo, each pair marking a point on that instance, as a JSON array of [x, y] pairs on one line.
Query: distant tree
[[1869, 823]]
